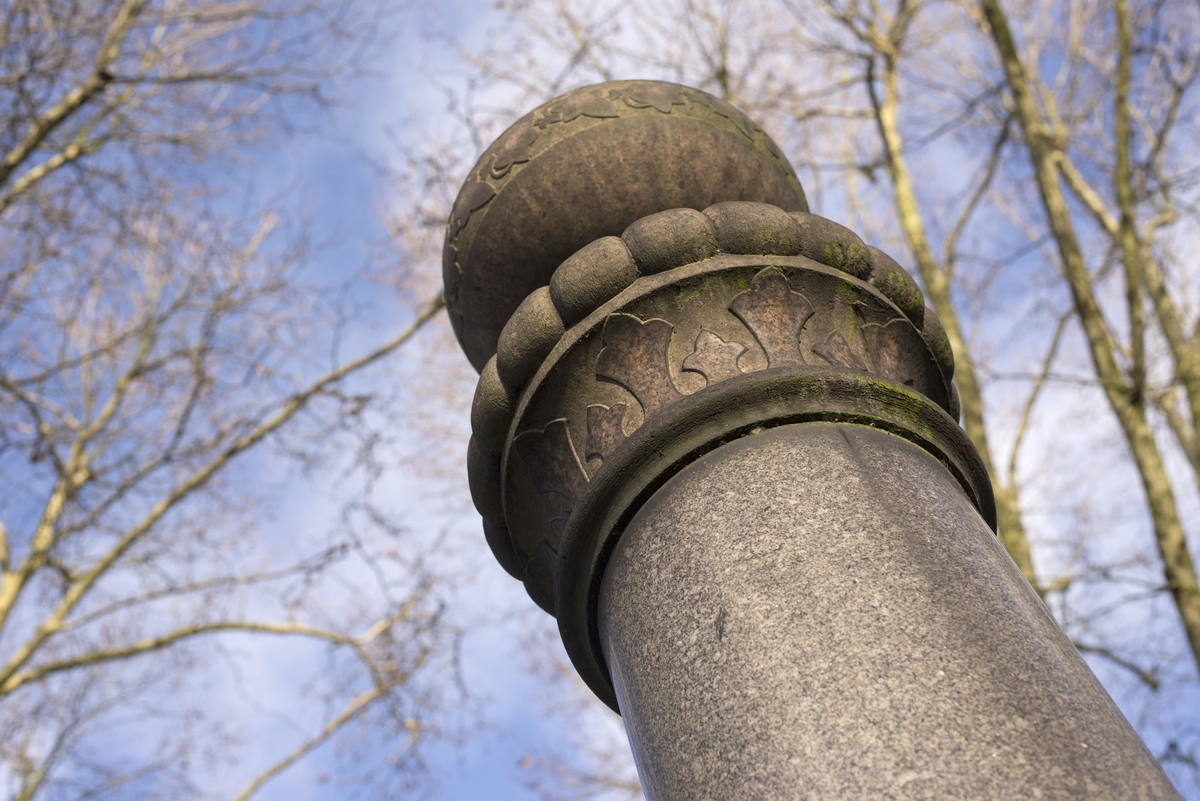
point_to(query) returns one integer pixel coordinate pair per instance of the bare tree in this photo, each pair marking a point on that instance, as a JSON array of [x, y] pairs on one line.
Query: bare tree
[[593, 760], [166, 360], [1147, 188], [1032, 161]]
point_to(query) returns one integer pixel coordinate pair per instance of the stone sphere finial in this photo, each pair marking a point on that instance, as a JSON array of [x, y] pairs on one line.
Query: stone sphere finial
[[582, 167]]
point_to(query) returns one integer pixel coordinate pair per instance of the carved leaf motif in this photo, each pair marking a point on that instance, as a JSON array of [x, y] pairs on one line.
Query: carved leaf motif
[[473, 197], [583, 103], [890, 355], [513, 149], [836, 351], [743, 123], [604, 432], [551, 460], [661, 96], [775, 315], [635, 357], [713, 357]]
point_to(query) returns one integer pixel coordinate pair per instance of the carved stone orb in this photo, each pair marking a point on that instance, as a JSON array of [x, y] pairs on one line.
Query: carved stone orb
[[585, 166]]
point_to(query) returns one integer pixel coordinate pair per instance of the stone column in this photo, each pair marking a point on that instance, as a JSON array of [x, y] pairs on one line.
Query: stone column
[[817, 611], [718, 440]]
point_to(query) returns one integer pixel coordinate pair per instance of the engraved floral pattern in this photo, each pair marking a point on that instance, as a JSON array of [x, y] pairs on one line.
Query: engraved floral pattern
[[636, 357]]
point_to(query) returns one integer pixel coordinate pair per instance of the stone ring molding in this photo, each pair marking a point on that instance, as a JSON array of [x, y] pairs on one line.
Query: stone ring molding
[[741, 315]]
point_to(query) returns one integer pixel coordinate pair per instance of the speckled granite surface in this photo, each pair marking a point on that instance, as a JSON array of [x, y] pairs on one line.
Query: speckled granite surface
[[817, 612]]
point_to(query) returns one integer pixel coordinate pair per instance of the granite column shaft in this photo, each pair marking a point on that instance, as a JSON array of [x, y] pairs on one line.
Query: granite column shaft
[[817, 611]]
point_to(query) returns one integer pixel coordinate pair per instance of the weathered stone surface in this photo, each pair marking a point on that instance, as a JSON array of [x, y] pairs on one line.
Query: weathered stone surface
[[817, 612], [528, 337], [897, 284], [491, 410], [670, 239], [938, 342], [584, 166], [756, 228], [590, 277], [825, 241], [483, 478]]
